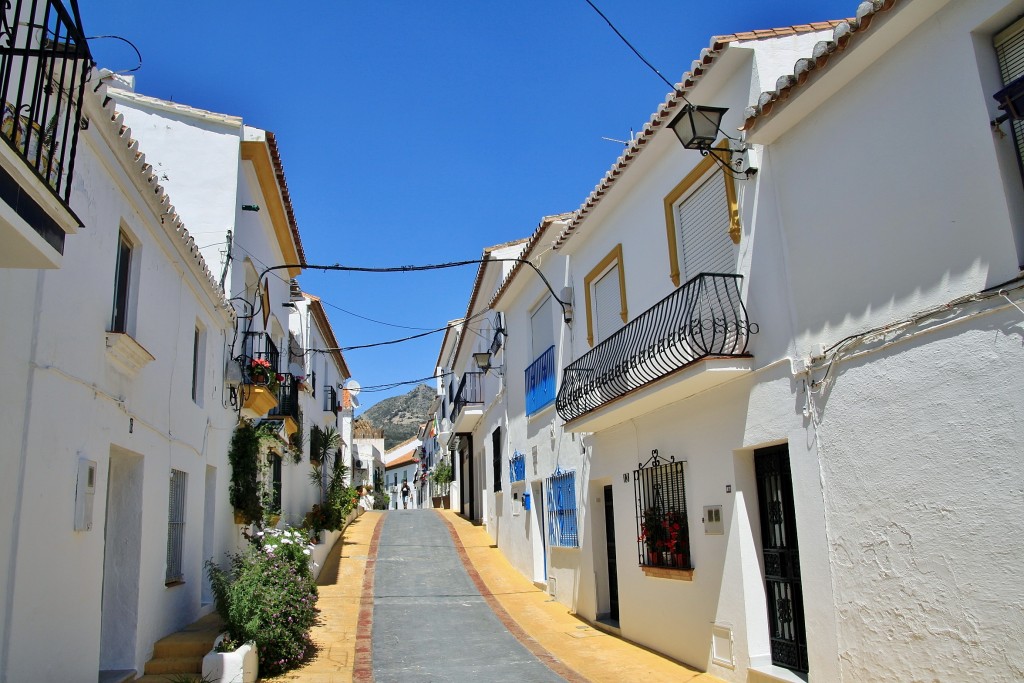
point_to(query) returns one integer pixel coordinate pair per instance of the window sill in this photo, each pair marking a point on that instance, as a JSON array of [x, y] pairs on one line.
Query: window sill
[[668, 573], [127, 355], [172, 584]]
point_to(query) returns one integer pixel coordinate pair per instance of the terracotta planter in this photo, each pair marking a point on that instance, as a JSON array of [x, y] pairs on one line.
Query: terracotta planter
[[679, 560], [239, 517], [240, 666], [653, 558]]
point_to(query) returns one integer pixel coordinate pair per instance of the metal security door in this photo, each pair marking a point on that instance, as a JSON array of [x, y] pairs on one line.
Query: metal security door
[[781, 558]]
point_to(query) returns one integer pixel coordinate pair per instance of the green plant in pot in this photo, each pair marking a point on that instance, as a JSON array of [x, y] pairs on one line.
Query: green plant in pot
[[654, 535]]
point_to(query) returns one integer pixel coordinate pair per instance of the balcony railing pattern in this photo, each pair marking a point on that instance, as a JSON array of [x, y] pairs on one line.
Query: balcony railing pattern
[[540, 382], [259, 345], [705, 317], [287, 397], [44, 64], [471, 392]]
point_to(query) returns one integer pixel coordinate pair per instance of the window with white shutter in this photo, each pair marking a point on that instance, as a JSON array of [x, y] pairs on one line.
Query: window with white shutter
[[702, 222], [607, 305], [606, 297]]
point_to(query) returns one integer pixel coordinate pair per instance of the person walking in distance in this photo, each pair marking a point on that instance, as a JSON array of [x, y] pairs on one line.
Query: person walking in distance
[[405, 495]]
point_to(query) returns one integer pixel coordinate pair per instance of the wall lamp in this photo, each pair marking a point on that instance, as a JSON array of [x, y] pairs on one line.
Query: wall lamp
[[250, 207], [483, 361], [698, 126]]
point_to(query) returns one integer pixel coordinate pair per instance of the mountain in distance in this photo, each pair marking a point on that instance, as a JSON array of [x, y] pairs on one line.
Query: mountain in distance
[[400, 417]]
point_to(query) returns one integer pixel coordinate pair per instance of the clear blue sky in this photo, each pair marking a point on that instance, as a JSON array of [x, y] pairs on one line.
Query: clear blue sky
[[423, 131]]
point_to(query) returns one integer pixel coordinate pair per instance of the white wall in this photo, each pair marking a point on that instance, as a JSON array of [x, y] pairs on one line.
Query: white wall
[[81, 407]]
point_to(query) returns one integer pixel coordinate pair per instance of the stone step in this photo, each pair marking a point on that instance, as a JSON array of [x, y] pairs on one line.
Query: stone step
[[174, 665]]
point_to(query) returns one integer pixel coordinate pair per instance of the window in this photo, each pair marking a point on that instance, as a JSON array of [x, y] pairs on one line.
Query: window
[[540, 376], [562, 531], [702, 223], [606, 297], [176, 526], [274, 460], [122, 284], [496, 457], [660, 488], [517, 467], [198, 363], [1009, 45]]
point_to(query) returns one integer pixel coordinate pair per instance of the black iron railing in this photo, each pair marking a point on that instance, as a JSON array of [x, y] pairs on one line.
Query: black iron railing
[[330, 399], [287, 397], [44, 64], [471, 392], [259, 346], [705, 317]]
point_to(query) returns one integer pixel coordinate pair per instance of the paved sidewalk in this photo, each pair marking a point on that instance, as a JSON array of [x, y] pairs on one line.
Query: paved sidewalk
[[592, 654], [341, 590]]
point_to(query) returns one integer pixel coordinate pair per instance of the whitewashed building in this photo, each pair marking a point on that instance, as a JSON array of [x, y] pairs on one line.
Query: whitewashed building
[[402, 465], [117, 418], [793, 387]]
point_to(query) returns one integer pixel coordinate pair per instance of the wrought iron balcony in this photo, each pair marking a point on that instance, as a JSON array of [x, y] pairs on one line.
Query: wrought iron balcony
[[287, 397], [540, 382], [259, 346], [44, 64], [330, 399], [470, 392], [704, 318]]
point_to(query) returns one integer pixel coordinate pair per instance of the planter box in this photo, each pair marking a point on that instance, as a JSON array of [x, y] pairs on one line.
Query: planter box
[[442, 501], [240, 666]]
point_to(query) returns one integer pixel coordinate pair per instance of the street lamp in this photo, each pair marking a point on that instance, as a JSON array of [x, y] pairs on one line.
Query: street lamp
[[697, 126]]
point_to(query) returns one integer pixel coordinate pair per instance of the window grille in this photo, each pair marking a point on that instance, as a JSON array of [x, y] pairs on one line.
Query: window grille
[[274, 461], [663, 537], [517, 467], [561, 490], [176, 526]]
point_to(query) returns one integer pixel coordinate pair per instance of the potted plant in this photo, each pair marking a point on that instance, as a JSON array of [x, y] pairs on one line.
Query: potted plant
[[261, 374], [654, 535], [231, 661], [678, 546], [442, 478]]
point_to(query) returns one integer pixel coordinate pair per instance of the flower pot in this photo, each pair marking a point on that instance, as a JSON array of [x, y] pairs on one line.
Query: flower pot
[[240, 666], [679, 560], [653, 558], [240, 518]]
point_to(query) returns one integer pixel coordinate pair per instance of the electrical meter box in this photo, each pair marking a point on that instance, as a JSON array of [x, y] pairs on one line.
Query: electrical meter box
[[85, 492], [713, 525]]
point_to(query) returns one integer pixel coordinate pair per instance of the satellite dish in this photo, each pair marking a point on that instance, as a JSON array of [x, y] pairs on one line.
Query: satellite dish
[[353, 387]]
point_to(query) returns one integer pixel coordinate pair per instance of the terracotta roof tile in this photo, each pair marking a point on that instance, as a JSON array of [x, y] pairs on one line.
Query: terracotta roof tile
[[805, 69], [275, 155], [669, 107]]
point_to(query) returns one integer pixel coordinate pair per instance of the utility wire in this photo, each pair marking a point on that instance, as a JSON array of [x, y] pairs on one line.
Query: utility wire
[[650, 66]]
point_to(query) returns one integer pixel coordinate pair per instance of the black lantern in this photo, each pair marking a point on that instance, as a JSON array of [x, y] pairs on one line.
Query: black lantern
[[697, 126]]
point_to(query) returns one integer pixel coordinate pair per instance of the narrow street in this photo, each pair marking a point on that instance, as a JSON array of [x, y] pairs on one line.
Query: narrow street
[[421, 590], [422, 595]]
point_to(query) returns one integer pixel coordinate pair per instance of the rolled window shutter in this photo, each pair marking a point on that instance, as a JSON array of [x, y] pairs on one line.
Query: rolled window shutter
[[703, 223], [607, 305]]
